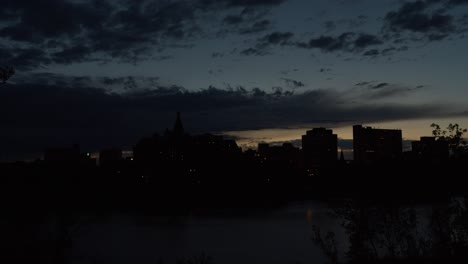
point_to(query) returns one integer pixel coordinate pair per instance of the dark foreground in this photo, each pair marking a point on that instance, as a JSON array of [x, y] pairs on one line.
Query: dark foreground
[[374, 203]]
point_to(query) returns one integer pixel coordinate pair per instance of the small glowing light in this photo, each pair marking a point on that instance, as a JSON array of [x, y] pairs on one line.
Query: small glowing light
[[309, 215]]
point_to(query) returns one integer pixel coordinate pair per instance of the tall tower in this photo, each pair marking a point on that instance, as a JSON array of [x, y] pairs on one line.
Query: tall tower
[[178, 127], [371, 144], [319, 146]]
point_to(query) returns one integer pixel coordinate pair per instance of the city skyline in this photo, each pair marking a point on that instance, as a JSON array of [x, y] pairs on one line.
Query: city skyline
[[318, 145], [104, 73]]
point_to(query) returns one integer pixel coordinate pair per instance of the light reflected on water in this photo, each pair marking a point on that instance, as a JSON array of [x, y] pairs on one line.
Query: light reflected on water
[[309, 215], [228, 235]]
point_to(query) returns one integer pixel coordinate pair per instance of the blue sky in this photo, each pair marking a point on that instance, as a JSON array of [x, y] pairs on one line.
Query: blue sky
[[105, 73]]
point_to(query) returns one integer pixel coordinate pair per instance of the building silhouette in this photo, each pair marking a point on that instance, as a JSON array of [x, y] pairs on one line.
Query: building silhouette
[[371, 144], [187, 158], [320, 147], [285, 154], [178, 127], [263, 149], [430, 149], [169, 147]]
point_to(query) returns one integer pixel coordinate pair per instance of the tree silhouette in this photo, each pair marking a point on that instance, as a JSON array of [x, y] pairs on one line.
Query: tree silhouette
[[384, 233], [6, 73], [453, 136]]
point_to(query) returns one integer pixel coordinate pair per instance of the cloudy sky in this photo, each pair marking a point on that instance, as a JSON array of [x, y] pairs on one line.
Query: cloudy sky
[[105, 73]]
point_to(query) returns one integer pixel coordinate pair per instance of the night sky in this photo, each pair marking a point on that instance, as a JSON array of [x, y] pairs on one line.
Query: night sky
[[105, 73]]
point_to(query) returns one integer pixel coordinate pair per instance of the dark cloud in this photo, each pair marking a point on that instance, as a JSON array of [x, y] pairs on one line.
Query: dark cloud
[[258, 26], [458, 2], [432, 19], [412, 21], [66, 31], [24, 58], [253, 52], [71, 55], [366, 40], [327, 43], [388, 91], [241, 3], [293, 83], [118, 29], [119, 84], [372, 52], [257, 2], [380, 85], [378, 91], [41, 115], [437, 36], [278, 38], [264, 44], [38, 20], [233, 19], [419, 22], [348, 42], [249, 20], [362, 83], [387, 51]]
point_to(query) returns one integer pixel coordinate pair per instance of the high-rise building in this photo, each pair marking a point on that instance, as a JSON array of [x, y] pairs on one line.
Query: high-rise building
[[430, 149], [319, 146], [371, 144]]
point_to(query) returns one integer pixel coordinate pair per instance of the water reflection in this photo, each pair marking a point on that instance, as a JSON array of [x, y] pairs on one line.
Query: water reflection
[[279, 235], [309, 214]]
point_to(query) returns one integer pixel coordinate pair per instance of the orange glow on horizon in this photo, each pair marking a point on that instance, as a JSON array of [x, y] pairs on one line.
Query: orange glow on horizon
[[411, 130]]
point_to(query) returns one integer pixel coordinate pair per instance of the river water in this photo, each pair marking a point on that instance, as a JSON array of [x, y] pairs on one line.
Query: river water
[[227, 235]]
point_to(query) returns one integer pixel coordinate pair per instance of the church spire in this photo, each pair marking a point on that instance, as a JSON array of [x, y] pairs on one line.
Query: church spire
[[178, 127]]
